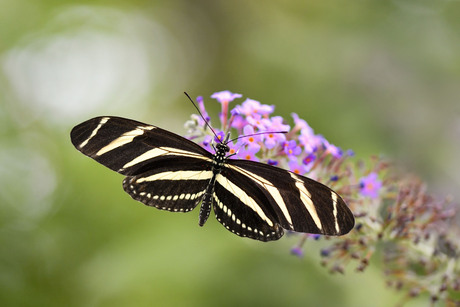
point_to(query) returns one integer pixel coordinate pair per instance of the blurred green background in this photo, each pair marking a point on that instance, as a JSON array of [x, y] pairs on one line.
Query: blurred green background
[[374, 76]]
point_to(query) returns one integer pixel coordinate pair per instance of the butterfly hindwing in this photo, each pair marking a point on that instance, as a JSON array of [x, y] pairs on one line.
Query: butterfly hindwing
[[171, 184], [129, 147]]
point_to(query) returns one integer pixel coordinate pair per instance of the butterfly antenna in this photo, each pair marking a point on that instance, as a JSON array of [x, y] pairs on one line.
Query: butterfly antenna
[[258, 133], [196, 107]]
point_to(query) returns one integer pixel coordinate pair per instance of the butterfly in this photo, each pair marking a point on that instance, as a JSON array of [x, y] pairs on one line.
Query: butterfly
[[169, 172]]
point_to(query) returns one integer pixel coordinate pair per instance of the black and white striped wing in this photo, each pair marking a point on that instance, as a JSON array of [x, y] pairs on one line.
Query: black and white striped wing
[[241, 205], [176, 186], [257, 200], [130, 147], [164, 169]]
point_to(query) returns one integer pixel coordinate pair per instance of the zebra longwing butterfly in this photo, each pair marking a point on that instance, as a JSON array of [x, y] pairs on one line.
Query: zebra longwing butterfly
[[170, 172]]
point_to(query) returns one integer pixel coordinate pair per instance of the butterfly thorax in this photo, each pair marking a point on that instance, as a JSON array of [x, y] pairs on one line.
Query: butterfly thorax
[[220, 156]]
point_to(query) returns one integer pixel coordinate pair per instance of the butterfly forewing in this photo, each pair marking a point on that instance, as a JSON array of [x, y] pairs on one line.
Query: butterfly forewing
[[164, 170], [300, 204], [129, 147]]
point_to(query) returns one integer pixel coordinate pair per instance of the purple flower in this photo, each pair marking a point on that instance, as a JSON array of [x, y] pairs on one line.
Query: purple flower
[[207, 143], [370, 185], [301, 125], [272, 162], [258, 121], [298, 251], [225, 96], [200, 102], [309, 159], [233, 149], [247, 154], [220, 137], [335, 151], [272, 138], [291, 149], [236, 120], [310, 141], [298, 168], [277, 124], [251, 140], [251, 107]]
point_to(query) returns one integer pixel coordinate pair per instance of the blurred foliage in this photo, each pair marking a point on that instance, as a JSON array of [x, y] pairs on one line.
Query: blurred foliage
[[374, 76]]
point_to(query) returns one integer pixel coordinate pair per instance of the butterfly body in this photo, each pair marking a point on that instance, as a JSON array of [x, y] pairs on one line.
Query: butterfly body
[[169, 172], [219, 159]]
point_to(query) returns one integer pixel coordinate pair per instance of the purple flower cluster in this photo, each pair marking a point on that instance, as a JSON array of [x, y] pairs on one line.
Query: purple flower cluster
[[264, 137], [415, 232]]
